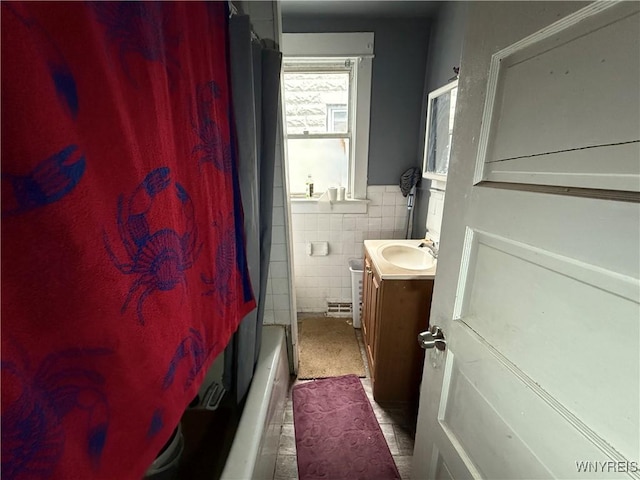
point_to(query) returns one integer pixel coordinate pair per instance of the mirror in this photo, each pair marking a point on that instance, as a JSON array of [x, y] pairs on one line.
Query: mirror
[[441, 106]]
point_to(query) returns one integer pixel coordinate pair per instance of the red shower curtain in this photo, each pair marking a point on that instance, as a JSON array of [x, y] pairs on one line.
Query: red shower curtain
[[123, 263]]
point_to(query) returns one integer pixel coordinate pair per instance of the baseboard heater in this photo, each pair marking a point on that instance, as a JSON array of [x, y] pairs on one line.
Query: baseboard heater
[[339, 308]]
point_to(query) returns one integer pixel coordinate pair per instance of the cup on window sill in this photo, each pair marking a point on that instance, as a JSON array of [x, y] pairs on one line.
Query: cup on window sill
[[341, 194], [333, 194]]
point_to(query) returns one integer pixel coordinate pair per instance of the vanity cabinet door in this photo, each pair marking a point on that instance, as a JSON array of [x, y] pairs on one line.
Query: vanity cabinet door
[[366, 295], [374, 304], [402, 312], [368, 308]]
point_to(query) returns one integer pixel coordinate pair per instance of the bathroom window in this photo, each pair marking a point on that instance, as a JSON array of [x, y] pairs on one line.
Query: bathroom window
[[317, 95], [326, 94]]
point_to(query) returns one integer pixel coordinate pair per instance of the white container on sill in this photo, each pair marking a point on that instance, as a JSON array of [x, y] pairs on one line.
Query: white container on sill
[[333, 194]]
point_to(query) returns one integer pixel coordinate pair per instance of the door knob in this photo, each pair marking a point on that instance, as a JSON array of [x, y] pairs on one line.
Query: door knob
[[432, 338]]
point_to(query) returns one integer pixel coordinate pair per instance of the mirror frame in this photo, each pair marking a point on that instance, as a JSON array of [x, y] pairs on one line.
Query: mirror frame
[[432, 96]]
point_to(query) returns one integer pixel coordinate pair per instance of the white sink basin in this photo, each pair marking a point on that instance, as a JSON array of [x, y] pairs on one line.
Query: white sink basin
[[407, 257]]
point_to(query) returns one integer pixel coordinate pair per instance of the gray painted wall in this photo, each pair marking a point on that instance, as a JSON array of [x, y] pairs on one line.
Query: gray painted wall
[[401, 50], [445, 50]]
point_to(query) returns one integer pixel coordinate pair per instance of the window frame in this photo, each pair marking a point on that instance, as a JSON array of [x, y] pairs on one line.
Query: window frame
[[332, 65], [431, 97], [336, 46]]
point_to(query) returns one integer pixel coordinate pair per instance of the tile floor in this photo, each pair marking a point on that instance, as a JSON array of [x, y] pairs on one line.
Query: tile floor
[[396, 422]]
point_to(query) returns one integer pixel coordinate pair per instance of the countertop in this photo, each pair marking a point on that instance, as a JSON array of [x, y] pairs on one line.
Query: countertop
[[389, 271]]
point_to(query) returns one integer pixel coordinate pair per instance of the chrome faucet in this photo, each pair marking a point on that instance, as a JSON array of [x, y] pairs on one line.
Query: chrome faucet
[[432, 247]]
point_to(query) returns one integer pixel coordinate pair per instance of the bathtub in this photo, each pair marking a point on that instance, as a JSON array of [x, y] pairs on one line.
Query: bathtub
[[255, 445]]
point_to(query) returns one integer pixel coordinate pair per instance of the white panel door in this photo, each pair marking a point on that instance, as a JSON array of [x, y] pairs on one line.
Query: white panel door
[[538, 292]]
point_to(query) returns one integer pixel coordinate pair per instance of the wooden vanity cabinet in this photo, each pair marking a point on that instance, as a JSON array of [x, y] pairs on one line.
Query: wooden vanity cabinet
[[370, 293], [394, 312]]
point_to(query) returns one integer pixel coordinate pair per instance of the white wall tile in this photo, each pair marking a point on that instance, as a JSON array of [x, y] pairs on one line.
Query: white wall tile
[[389, 198], [298, 236], [310, 235], [375, 198], [375, 212], [278, 197], [375, 223], [280, 302], [322, 278], [279, 270], [278, 216], [336, 236], [336, 222], [282, 317], [324, 271], [268, 317], [277, 176], [388, 223], [279, 266], [310, 222], [401, 211], [349, 249], [323, 235], [348, 237], [268, 302], [324, 222], [278, 235], [348, 224], [278, 252], [280, 286], [388, 211], [297, 221]]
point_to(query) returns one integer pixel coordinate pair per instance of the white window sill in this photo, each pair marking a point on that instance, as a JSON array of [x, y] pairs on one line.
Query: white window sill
[[316, 205], [438, 183]]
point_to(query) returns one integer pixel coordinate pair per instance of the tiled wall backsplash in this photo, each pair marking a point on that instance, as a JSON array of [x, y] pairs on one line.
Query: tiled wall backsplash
[[278, 300], [434, 215], [319, 279]]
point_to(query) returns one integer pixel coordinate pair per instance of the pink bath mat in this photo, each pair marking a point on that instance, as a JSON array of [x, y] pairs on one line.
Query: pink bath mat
[[337, 434]]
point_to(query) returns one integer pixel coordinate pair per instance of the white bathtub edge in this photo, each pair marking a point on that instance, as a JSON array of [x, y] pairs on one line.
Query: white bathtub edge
[[266, 397]]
